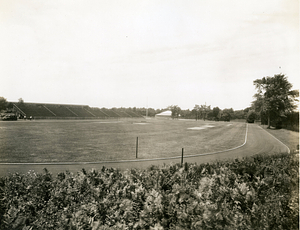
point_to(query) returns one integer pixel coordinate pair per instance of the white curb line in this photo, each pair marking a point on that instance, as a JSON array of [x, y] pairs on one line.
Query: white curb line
[[289, 151]]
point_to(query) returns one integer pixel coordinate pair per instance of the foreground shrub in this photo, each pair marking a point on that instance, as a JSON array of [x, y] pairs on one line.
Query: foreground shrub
[[260, 192]]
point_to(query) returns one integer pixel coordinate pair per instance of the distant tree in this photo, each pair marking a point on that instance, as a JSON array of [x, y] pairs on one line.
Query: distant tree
[[10, 105], [3, 103], [274, 97], [247, 110], [209, 115], [232, 113], [21, 101], [204, 109], [187, 114], [158, 111], [251, 116], [175, 109], [227, 114], [196, 111], [216, 113], [239, 114], [151, 112]]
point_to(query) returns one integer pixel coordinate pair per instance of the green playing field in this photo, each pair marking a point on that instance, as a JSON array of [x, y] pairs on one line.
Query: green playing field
[[100, 140]]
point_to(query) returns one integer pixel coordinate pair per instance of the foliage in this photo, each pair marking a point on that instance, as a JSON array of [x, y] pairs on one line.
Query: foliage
[[260, 192], [204, 110], [201, 112], [291, 121], [175, 109], [7, 111], [239, 114], [216, 113], [251, 116], [3, 103], [196, 111], [186, 114], [227, 114], [274, 97], [21, 101]]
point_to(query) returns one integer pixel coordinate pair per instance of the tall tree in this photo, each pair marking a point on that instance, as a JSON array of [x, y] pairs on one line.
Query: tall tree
[[230, 112], [175, 109], [3, 103], [227, 114], [204, 109], [274, 97], [216, 113], [251, 116], [21, 101], [196, 110], [239, 114]]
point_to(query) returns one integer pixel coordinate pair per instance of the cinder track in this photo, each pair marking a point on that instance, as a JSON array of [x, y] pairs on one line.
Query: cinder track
[[257, 141]]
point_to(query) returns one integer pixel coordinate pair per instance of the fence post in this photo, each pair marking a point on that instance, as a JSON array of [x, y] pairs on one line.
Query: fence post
[[137, 147], [182, 157]]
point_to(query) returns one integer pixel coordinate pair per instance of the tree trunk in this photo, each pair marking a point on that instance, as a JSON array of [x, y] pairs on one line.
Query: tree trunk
[[269, 123]]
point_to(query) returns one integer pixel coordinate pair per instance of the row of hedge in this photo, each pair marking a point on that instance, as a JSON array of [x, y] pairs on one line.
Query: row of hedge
[[260, 192]]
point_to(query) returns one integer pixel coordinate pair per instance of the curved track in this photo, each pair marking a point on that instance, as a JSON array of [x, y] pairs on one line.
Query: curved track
[[257, 141]]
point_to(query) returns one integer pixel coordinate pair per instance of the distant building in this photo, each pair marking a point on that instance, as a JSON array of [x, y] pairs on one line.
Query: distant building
[[165, 115]]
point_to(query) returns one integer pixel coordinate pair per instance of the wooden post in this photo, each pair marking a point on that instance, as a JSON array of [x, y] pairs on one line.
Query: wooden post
[[137, 147], [182, 157]]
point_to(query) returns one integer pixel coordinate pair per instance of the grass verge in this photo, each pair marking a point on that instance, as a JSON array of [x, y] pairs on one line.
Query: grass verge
[[288, 137]]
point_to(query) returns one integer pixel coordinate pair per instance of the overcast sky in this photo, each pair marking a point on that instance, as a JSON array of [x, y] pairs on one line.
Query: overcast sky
[[139, 53]]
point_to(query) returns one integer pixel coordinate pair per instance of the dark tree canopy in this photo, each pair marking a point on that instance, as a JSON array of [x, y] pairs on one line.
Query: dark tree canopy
[[274, 97], [21, 101], [204, 109], [216, 112], [196, 111], [3, 103], [201, 111], [175, 109], [251, 116]]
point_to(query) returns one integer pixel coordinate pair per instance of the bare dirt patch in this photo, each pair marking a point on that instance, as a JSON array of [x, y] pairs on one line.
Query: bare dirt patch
[[202, 127]]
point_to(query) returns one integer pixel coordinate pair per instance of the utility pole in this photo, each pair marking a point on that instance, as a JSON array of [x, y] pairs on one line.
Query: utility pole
[[147, 109], [137, 147]]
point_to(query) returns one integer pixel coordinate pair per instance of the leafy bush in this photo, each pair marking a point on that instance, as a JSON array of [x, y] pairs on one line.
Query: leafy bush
[[251, 116], [260, 192]]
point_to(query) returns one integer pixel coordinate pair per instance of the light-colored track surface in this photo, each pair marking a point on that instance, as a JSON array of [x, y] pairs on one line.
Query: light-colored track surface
[[258, 141]]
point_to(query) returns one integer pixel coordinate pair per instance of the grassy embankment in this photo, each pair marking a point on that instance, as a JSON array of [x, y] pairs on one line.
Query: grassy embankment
[[289, 138]]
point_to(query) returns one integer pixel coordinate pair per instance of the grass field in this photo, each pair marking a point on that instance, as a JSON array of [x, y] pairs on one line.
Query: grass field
[[100, 140]]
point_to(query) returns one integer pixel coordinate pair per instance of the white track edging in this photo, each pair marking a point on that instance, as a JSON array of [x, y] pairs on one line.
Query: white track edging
[[128, 161], [289, 151]]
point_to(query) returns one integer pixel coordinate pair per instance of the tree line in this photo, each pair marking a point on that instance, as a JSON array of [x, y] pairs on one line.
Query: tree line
[[205, 112], [274, 104]]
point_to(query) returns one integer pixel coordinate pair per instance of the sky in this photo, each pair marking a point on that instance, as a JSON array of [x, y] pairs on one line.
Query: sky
[[145, 53]]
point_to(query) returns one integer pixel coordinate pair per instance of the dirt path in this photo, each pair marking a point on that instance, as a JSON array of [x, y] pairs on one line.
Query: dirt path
[[258, 141]]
